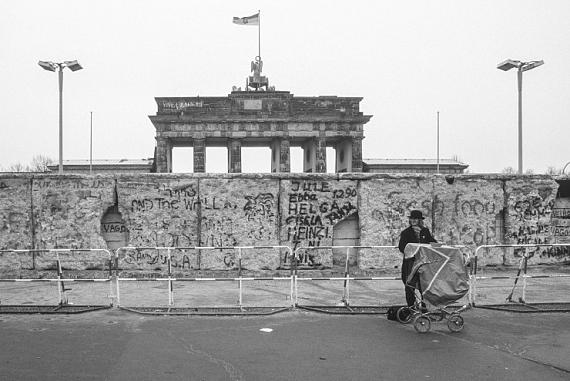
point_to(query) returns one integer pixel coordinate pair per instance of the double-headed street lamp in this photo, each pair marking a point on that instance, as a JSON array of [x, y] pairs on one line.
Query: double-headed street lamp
[[53, 66], [521, 66]]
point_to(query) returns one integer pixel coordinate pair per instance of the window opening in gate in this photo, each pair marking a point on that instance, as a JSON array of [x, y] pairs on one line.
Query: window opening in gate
[[331, 160], [296, 159], [182, 159], [216, 160], [255, 159]]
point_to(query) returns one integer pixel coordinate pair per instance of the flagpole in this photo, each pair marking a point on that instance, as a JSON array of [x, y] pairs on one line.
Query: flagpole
[[259, 34]]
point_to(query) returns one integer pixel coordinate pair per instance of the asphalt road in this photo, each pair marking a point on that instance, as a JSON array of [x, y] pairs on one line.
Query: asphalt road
[[120, 345]]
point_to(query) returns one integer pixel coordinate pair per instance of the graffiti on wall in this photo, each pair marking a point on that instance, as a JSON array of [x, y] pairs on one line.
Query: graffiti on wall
[[158, 260], [391, 215], [247, 216], [473, 221], [311, 210], [530, 221], [260, 213], [458, 218], [560, 230], [162, 214]]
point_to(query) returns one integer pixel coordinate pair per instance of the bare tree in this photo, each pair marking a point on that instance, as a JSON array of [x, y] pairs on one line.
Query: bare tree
[[553, 171], [18, 167], [40, 163], [508, 171]]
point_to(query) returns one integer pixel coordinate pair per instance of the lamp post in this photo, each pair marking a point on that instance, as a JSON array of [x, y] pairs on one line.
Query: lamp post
[[521, 66], [53, 66]]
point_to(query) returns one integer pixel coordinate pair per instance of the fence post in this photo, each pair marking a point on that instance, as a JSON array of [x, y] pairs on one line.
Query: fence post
[[111, 296], [345, 294], [523, 298], [292, 295], [473, 278], [117, 276], [60, 285], [170, 289]]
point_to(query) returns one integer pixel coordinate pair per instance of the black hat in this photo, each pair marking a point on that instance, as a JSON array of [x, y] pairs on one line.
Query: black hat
[[417, 214]]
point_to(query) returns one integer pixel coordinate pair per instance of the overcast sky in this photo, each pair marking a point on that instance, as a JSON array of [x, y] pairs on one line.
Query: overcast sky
[[407, 59]]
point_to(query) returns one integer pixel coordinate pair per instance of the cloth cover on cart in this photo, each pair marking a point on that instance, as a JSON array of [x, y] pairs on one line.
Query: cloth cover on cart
[[440, 271]]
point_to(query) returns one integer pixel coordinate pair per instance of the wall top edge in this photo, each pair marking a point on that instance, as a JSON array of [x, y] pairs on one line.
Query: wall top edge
[[273, 176]]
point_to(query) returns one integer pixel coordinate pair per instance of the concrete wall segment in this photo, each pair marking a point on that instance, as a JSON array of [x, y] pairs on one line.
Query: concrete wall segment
[[16, 226], [159, 211], [49, 211], [67, 210], [239, 212]]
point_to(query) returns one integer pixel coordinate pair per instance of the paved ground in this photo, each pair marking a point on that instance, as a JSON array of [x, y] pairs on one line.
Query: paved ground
[[119, 345]]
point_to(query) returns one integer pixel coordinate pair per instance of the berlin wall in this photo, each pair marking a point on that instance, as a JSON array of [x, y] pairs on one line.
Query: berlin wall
[[295, 210]]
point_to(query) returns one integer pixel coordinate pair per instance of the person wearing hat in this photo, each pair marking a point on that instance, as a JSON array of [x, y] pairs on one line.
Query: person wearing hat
[[415, 233]]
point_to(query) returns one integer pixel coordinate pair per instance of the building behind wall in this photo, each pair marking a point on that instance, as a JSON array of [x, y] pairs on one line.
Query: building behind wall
[[117, 166], [423, 166]]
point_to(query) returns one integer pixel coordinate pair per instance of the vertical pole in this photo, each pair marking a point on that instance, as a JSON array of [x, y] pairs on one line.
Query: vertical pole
[[111, 296], [240, 292], [523, 298], [60, 285], [294, 275], [259, 35], [519, 86], [239, 262], [438, 142], [474, 291], [239, 277], [345, 291], [292, 295], [60, 75], [117, 277], [91, 145], [170, 291]]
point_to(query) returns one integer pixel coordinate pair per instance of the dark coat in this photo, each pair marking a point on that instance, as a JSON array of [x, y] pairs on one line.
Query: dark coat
[[408, 236]]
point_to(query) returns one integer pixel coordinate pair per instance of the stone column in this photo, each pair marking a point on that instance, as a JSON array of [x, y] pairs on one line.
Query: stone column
[[234, 156], [163, 153], [169, 158], [199, 155], [357, 155], [280, 155], [321, 156]]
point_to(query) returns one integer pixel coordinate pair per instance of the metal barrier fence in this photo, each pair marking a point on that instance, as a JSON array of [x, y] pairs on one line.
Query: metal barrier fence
[[170, 279], [346, 278], [61, 280], [523, 266], [293, 280]]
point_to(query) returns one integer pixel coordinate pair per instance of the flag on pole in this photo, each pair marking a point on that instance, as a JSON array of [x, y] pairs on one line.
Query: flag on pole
[[250, 20]]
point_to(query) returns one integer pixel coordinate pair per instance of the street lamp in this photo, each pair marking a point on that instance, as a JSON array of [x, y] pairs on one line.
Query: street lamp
[[521, 66], [53, 66]]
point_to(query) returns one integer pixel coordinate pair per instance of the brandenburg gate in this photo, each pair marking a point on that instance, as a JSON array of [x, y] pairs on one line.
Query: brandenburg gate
[[261, 116]]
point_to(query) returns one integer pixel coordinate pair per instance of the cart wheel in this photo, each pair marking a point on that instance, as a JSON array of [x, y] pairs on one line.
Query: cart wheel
[[455, 323], [404, 315], [422, 324]]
